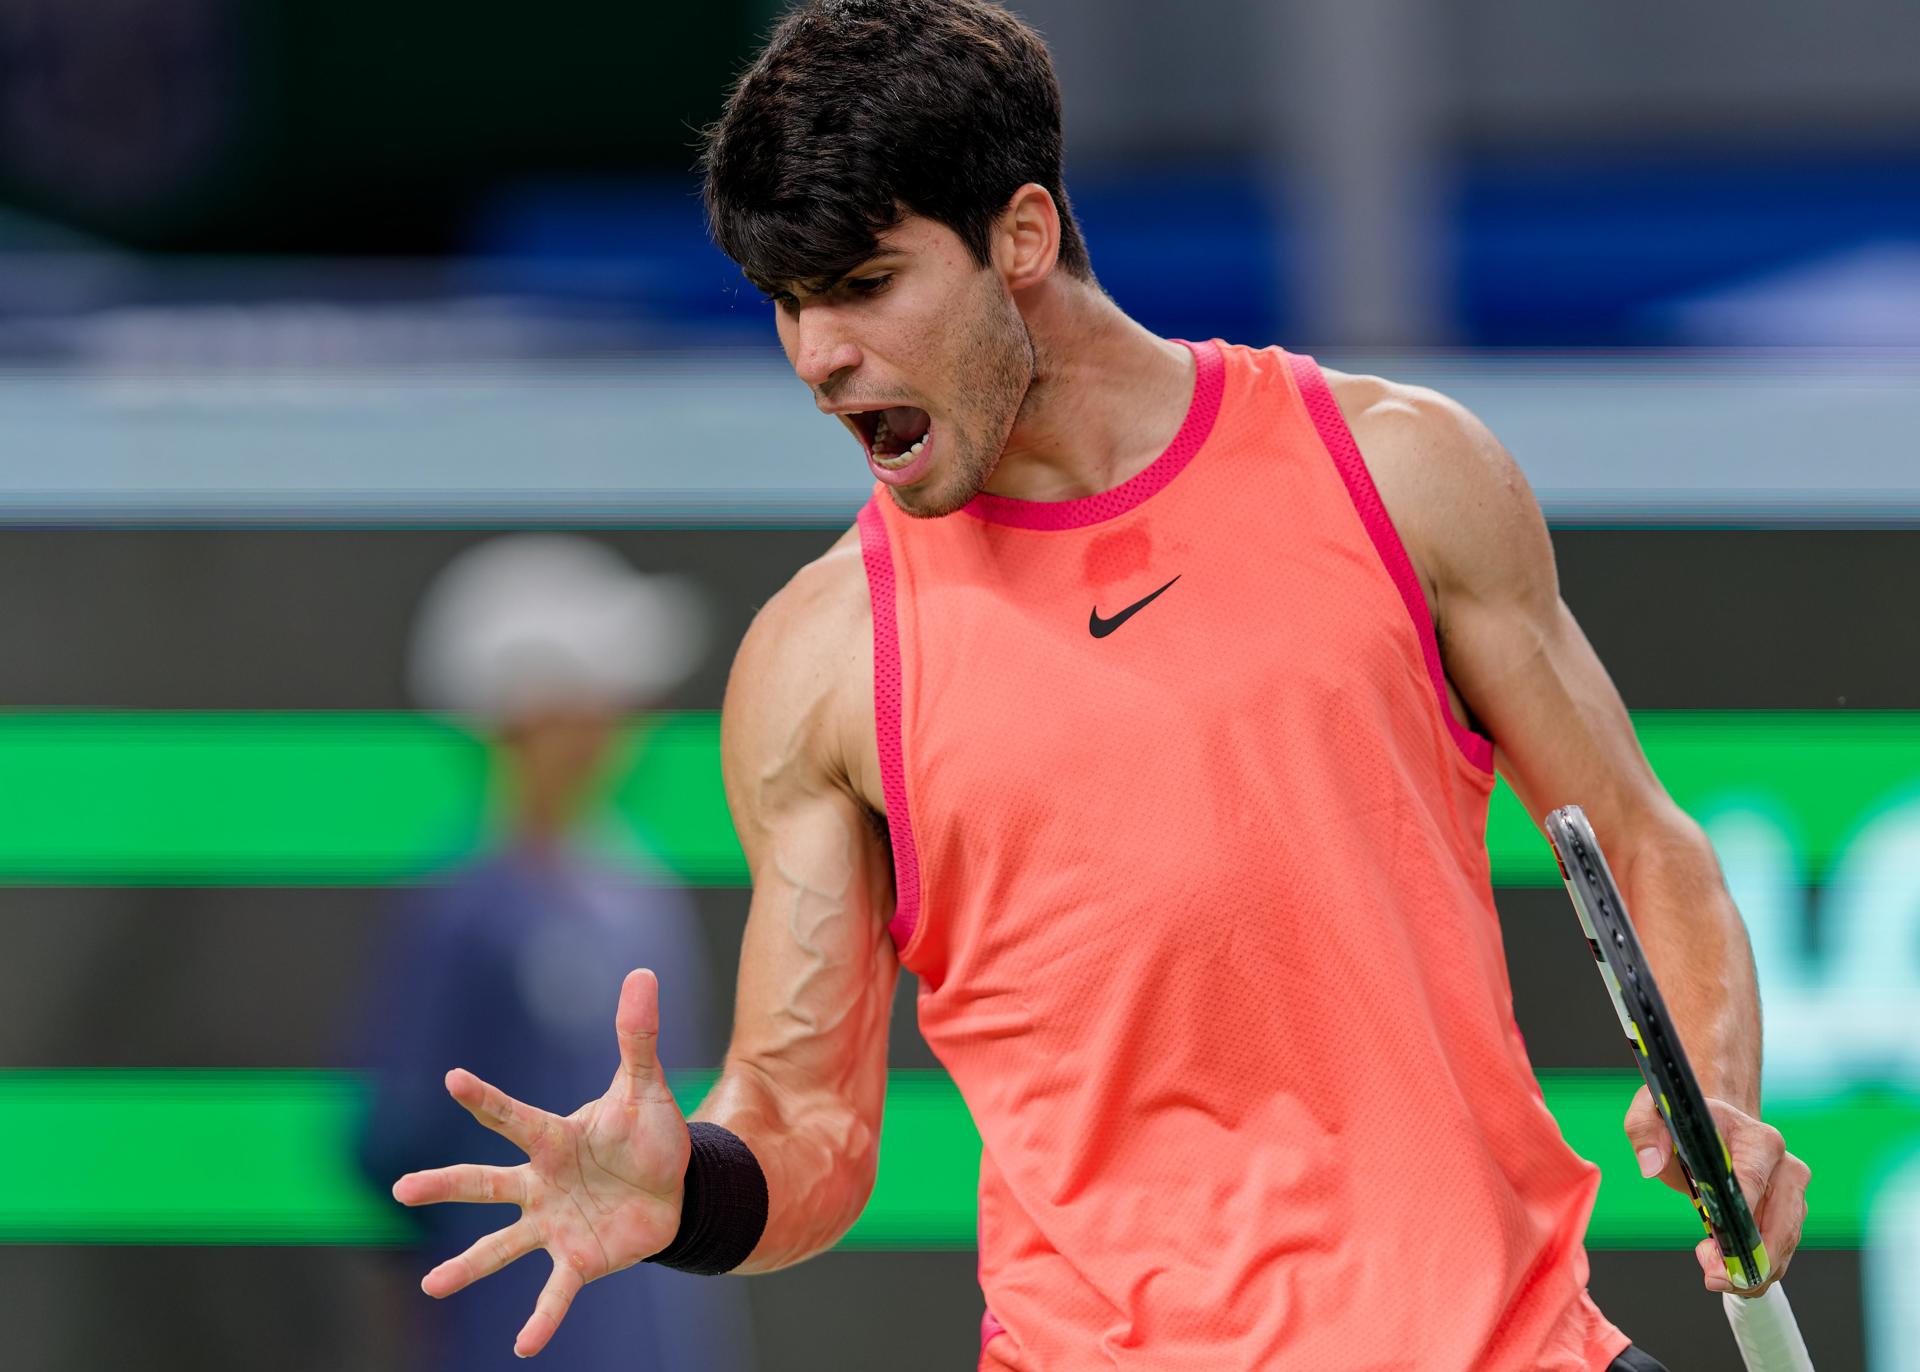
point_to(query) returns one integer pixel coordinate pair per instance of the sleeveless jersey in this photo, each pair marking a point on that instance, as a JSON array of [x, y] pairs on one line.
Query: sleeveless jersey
[[1190, 862]]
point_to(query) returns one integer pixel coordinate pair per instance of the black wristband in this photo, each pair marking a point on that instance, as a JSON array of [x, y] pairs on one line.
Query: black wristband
[[724, 1210]]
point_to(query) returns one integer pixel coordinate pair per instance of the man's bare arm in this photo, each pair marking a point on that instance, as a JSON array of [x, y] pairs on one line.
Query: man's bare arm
[[1522, 665], [604, 1187], [1562, 735], [805, 1075]]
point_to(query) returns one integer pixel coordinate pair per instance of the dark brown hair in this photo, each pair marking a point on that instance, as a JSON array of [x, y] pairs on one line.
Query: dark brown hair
[[859, 112]]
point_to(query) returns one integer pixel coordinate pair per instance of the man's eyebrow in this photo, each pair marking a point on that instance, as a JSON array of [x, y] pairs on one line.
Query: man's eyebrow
[[861, 268], [886, 257], [823, 285]]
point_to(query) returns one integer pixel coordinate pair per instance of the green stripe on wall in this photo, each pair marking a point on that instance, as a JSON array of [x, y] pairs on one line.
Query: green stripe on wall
[[1822, 773], [316, 799], [265, 1158]]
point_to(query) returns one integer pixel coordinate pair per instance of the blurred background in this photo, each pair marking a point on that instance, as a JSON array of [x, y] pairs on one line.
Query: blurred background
[[319, 774]]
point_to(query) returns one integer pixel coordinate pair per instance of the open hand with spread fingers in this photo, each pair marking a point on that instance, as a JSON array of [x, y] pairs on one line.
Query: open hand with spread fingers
[[601, 1188]]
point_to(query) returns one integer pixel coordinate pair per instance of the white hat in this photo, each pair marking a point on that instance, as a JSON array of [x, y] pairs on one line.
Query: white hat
[[531, 620]]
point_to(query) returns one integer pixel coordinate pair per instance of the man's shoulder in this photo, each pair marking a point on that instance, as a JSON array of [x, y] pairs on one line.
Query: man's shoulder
[[1430, 449], [822, 605], [801, 685], [1457, 498], [1398, 413]]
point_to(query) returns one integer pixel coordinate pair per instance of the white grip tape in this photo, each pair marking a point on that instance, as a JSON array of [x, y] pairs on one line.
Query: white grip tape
[[1765, 1330]]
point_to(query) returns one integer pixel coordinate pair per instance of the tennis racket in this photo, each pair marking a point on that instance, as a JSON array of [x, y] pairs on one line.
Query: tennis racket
[[1762, 1325]]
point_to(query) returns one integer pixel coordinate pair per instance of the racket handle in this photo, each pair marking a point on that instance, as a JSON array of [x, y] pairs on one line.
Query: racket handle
[[1765, 1330]]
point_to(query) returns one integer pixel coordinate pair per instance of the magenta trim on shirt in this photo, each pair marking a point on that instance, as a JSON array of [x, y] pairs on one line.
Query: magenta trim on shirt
[[877, 554], [1325, 413], [1209, 380]]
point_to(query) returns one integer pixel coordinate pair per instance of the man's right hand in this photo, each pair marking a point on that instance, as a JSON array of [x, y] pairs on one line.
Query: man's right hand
[[600, 1190]]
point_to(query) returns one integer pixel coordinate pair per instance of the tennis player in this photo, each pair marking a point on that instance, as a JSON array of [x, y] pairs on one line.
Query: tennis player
[[1148, 715]]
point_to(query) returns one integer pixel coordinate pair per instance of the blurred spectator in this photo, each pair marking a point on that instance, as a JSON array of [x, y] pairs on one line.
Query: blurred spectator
[[512, 967]]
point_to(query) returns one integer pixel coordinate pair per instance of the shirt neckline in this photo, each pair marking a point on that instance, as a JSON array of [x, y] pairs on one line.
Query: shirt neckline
[[1209, 372]]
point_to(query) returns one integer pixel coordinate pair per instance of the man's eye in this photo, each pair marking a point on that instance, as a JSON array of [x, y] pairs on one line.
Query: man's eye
[[782, 299], [869, 285]]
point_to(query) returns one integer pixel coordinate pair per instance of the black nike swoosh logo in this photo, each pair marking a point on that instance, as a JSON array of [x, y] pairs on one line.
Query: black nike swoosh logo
[[1100, 628]]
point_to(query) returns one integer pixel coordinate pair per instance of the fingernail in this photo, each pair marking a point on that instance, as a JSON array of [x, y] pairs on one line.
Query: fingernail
[[1650, 1161]]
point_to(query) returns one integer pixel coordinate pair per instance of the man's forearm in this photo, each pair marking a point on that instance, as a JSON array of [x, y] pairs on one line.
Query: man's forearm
[[819, 1158], [1698, 946]]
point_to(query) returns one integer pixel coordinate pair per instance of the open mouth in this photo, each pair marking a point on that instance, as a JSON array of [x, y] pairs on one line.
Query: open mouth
[[895, 436]]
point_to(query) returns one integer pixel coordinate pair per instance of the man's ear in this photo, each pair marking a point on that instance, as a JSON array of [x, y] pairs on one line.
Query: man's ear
[[1026, 237]]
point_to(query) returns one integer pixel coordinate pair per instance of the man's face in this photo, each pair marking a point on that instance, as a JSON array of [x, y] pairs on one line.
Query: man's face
[[923, 355]]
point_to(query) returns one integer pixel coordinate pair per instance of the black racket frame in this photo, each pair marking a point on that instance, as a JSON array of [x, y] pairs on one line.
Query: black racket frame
[[1661, 1058]]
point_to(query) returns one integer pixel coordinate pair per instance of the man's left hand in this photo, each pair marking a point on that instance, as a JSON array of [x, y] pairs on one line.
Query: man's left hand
[[1773, 1180]]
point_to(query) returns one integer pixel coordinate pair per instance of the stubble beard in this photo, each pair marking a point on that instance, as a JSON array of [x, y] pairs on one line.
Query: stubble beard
[[996, 365]]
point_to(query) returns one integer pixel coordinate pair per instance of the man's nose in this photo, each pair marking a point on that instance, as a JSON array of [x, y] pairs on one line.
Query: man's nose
[[821, 349]]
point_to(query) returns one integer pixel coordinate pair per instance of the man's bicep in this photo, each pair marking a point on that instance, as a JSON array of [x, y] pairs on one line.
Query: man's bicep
[[1513, 648], [817, 969], [1509, 645], [1562, 733], [804, 1081]]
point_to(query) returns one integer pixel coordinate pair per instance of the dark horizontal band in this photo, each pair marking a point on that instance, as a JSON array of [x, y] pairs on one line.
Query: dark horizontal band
[[723, 1212]]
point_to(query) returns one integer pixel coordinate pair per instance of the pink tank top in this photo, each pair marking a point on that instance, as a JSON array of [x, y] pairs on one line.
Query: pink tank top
[[1191, 866]]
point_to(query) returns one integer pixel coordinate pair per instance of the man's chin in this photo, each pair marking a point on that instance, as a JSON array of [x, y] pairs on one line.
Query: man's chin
[[935, 498]]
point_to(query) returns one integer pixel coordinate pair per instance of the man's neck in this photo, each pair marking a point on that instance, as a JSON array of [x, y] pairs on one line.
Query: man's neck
[[1108, 398]]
